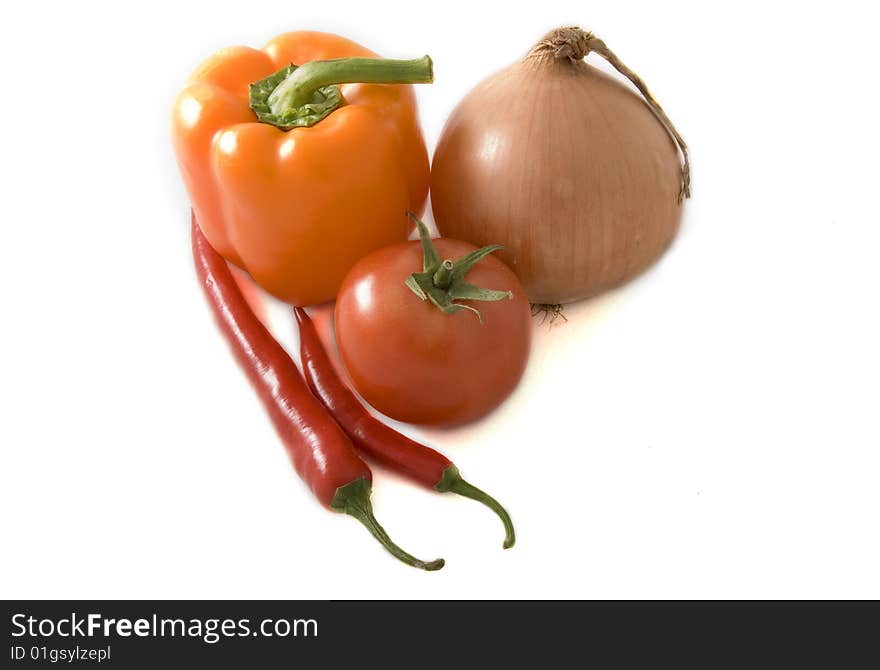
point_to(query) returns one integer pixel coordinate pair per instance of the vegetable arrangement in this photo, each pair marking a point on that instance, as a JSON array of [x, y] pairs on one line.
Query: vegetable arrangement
[[304, 162]]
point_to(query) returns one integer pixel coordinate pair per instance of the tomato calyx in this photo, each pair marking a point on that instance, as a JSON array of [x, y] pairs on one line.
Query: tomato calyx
[[443, 281]]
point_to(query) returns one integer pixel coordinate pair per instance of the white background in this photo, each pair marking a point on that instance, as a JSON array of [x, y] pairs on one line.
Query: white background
[[710, 430]]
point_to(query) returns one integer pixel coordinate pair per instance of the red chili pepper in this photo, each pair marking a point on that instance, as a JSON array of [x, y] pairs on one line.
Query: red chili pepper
[[374, 438], [321, 452]]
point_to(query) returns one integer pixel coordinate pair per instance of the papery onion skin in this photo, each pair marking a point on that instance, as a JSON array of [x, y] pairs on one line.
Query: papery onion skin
[[567, 168]]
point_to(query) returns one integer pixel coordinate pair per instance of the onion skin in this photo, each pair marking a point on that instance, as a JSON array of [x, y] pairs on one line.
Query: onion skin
[[567, 168]]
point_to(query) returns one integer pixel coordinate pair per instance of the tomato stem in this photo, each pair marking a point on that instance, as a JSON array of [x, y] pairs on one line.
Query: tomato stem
[[443, 276], [443, 282], [354, 499]]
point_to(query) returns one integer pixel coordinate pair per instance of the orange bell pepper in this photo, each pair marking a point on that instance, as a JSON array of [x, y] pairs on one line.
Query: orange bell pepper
[[298, 206]]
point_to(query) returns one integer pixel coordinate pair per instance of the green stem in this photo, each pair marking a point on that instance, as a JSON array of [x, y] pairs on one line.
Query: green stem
[[354, 499], [298, 88], [453, 482], [443, 276], [443, 282]]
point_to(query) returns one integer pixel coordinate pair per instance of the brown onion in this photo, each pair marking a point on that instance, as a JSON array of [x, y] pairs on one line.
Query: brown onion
[[575, 174]]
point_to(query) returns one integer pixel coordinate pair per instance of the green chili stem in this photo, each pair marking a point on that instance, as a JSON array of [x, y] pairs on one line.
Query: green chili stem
[[354, 499], [298, 89], [453, 482]]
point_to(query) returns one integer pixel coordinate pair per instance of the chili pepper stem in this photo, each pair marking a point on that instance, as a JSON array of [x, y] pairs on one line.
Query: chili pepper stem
[[452, 482], [298, 89], [354, 499]]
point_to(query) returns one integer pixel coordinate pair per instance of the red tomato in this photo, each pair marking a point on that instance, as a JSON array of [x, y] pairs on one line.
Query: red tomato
[[416, 363]]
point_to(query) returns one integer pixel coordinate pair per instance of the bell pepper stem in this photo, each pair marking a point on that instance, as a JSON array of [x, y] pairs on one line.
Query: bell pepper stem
[[298, 88], [451, 481], [354, 499]]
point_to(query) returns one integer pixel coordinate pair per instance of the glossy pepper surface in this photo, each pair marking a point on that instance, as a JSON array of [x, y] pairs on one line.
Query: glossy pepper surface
[[297, 207], [321, 452]]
